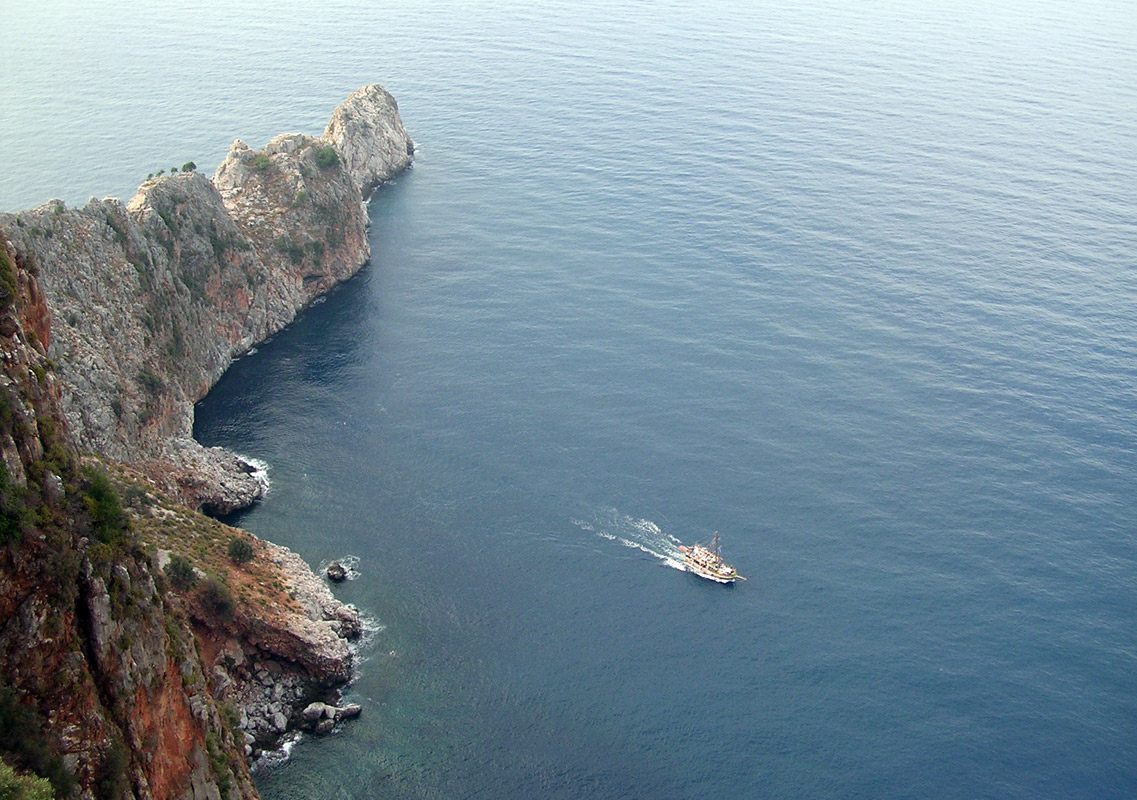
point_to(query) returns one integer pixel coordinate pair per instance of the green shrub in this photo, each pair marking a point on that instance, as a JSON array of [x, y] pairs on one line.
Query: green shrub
[[216, 597], [189, 166], [180, 572], [240, 551], [221, 769], [14, 786], [13, 514], [23, 744], [327, 157], [260, 162], [108, 520], [7, 279], [113, 781], [295, 252], [168, 219], [149, 381]]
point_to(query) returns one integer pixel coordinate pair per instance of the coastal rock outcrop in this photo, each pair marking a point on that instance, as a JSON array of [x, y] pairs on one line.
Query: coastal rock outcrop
[[367, 130], [283, 644], [138, 659], [150, 302], [99, 675]]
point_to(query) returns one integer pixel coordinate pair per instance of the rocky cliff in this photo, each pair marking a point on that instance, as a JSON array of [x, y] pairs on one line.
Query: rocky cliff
[[150, 302], [141, 655], [102, 689]]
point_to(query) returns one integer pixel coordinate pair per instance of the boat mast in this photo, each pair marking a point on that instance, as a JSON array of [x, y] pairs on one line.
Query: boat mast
[[715, 546]]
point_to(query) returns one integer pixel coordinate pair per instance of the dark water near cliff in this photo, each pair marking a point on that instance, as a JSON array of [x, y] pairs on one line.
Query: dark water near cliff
[[856, 288]]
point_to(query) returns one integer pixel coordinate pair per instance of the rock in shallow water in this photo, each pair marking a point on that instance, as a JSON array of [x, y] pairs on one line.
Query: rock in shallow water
[[324, 726]]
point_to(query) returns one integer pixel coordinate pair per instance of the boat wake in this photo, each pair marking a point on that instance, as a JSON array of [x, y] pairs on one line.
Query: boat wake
[[638, 534]]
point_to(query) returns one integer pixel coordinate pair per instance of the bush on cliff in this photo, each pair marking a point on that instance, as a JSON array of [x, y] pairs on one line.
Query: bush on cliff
[[14, 513], [14, 786], [7, 279], [108, 521], [326, 157], [114, 779], [180, 572], [216, 598], [240, 551], [23, 744]]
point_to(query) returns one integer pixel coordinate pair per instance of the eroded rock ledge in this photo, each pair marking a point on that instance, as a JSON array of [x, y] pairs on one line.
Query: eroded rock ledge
[[150, 302], [284, 642]]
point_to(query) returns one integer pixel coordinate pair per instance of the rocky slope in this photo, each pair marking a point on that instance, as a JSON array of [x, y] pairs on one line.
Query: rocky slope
[[101, 684], [150, 302], [139, 658]]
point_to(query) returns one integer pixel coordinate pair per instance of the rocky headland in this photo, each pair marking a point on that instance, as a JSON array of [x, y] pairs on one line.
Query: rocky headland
[[147, 650], [151, 301]]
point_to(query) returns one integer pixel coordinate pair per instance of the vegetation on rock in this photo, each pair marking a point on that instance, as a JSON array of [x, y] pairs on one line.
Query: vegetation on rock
[[15, 786], [180, 573], [240, 550], [24, 745], [326, 157], [7, 279], [217, 598]]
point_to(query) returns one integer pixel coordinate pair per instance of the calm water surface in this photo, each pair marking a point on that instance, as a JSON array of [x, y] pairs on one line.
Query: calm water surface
[[855, 287]]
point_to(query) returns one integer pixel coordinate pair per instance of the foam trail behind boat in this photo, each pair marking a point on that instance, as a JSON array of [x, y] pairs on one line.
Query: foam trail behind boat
[[638, 534]]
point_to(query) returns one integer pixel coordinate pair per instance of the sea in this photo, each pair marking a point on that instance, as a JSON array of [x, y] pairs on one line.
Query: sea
[[853, 285]]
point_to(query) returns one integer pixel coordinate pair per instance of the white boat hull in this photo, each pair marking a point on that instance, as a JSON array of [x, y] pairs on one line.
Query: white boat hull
[[710, 575], [705, 564]]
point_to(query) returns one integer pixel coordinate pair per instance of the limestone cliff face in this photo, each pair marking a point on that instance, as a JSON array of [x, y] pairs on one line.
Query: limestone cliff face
[[367, 130], [114, 320], [128, 685], [151, 302], [105, 674]]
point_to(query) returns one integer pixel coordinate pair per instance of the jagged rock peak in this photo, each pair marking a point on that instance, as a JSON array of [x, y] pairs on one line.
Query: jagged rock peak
[[368, 133]]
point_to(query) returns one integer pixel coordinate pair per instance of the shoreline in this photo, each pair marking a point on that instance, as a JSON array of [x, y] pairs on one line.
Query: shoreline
[[128, 315]]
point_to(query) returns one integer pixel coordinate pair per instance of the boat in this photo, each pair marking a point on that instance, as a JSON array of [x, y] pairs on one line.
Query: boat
[[706, 562]]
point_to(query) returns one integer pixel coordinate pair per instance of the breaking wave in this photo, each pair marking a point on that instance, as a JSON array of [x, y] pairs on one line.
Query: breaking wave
[[259, 471]]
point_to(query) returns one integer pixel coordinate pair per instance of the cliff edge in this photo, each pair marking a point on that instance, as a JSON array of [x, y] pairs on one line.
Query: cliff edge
[[147, 650], [151, 301]]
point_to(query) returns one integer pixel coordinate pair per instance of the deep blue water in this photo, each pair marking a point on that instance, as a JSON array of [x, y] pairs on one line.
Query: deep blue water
[[853, 286]]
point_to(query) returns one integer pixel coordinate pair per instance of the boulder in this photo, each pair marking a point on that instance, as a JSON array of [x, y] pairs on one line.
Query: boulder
[[316, 711], [324, 726], [350, 711]]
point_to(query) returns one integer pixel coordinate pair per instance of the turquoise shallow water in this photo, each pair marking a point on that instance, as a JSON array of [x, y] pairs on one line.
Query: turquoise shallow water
[[853, 286]]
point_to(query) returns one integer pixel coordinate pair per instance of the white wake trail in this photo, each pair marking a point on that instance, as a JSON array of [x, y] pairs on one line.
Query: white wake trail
[[637, 534]]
